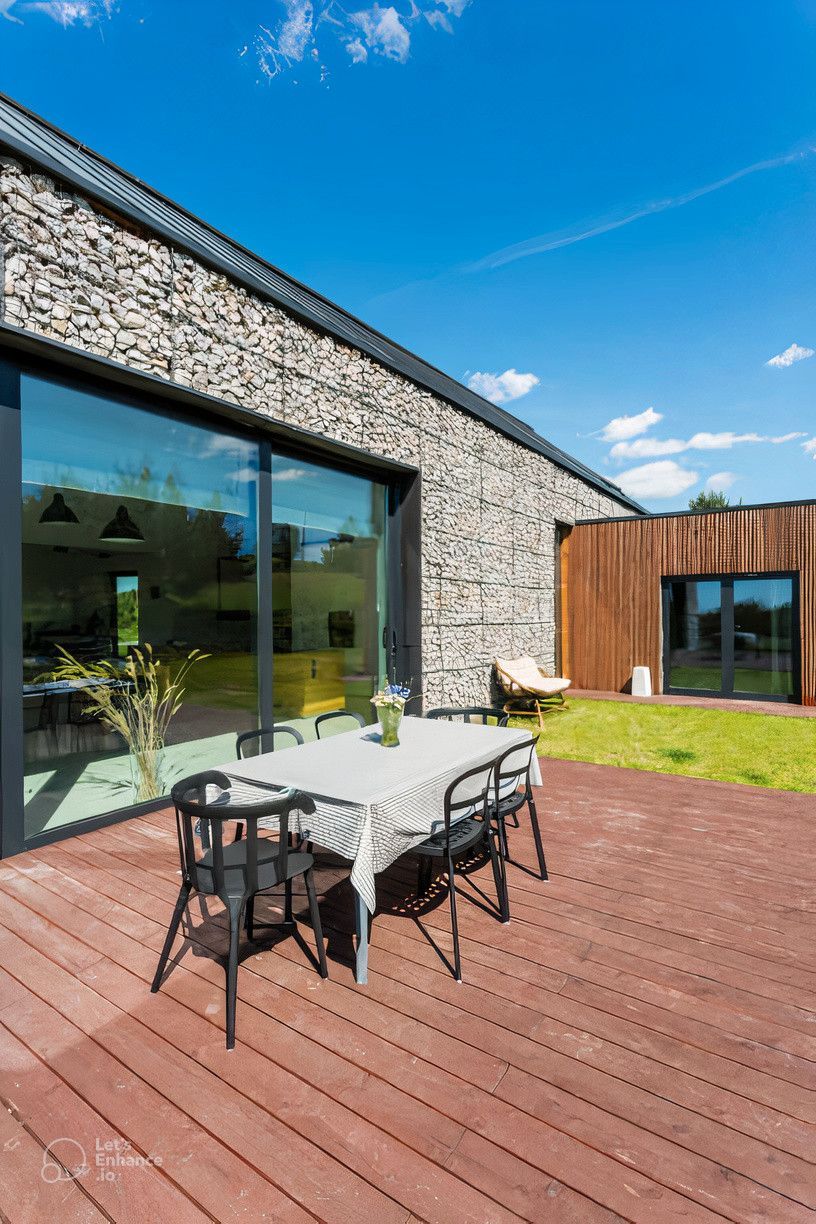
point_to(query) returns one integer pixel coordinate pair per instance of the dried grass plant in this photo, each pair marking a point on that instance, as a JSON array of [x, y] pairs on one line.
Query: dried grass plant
[[137, 701]]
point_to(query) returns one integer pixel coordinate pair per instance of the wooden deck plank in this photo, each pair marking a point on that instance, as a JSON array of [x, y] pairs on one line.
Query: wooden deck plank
[[639, 1043]]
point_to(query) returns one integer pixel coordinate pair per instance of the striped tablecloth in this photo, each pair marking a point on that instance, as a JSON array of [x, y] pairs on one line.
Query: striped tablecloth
[[372, 804]]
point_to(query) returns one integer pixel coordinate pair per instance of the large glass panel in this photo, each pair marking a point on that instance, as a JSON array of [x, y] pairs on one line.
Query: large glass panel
[[137, 528], [695, 634], [763, 636], [328, 590]]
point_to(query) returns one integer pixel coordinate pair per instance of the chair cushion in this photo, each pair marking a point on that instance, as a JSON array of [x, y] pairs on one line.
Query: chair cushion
[[524, 675]]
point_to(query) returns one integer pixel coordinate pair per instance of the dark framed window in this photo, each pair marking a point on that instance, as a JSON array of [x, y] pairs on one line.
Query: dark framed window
[[137, 511], [732, 635]]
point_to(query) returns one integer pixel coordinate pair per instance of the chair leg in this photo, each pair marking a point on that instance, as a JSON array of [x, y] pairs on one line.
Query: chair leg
[[287, 904], [175, 921], [499, 877], [424, 874], [504, 849], [249, 921], [234, 907], [317, 926], [542, 862], [457, 961]]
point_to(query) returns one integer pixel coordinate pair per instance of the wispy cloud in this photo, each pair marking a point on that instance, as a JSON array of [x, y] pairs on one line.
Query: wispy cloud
[[796, 352], [306, 29], [657, 480], [643, 448], [719, 482], [5, 11], [629, 426], [502, 388], [809, 447], [71, 12], [554, 240]]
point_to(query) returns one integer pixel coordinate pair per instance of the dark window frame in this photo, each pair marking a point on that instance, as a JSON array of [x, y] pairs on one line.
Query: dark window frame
[[727, 580], [25, 354]]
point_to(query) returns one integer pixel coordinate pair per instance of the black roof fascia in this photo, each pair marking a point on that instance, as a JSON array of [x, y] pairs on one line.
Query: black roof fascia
[[666, 514], [33, 139]]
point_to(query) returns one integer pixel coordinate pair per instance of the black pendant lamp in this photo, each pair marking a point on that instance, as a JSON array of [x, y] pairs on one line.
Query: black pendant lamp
[[58, 512], [121, 529]]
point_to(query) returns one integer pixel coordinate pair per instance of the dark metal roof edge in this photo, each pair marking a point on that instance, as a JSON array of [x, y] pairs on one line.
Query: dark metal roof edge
[[57, 357], [34, 139], [666, 514]]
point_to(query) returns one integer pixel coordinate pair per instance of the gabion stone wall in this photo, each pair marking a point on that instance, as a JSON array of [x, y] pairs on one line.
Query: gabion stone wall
[[73, 273]]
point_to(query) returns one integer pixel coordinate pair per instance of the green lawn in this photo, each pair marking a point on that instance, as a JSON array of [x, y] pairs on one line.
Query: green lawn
[[760, 749]]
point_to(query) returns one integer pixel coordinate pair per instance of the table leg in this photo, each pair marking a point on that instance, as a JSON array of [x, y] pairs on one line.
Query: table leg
[[361, 923]]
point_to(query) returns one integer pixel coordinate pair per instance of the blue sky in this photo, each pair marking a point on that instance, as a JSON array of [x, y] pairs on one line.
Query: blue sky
[[602, 214]]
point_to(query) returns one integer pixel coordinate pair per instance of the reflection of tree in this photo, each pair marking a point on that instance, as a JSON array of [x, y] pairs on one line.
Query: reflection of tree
[[177, 566], [756, 617]]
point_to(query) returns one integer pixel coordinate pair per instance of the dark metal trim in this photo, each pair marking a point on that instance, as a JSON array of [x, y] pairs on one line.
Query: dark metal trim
[[44, 353], [76, 828], [32, 138], [667, 514], [12, 821], [727, 666]]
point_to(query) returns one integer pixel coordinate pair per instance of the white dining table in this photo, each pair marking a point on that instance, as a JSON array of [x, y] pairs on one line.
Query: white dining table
[[373, 804]]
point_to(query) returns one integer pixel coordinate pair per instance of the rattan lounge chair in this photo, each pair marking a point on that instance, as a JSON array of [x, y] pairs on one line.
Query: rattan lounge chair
[[527, 687]]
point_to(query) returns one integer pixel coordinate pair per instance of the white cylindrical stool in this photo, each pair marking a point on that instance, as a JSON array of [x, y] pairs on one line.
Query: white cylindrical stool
[[641, 682]]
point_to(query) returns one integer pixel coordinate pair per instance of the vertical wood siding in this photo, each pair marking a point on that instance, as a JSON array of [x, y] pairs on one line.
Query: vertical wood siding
[[613, 617]]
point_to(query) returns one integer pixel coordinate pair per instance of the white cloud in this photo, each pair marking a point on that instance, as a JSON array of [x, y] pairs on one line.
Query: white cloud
[[720, 481], [5, 11], [502, 388], [809, 447], [439, 19], [290, 473], [796, 352], [384, 32], [296, 32], [305, 27], [629, 426], [662, 479], [70, 12], [644, 448], [357, 51]]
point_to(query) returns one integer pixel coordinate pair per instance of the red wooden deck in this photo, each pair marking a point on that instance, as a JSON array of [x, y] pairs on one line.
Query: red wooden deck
[[639, 1043]]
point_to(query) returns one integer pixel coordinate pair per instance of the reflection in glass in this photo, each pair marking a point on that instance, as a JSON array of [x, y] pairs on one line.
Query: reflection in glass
[[159, 547], [695, 635], [763, 636], [328, 590]]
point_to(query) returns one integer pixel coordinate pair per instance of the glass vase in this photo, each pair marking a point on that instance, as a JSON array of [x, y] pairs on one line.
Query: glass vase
[[390, 719]]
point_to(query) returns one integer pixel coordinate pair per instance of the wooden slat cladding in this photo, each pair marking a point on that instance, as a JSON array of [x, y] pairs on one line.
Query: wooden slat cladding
[[613, 610]]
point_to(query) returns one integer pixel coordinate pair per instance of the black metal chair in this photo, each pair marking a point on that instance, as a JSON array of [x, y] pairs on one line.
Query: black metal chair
[[468, 826], [513, 790], [264, 736], [323, 720], [485, 715], [238, 871]]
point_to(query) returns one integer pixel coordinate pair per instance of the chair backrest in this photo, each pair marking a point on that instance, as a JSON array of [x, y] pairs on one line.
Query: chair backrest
[[485, 715], [515, 675], [195, 801], [469, 793], [267, 740], [329, 724], [515, 763]]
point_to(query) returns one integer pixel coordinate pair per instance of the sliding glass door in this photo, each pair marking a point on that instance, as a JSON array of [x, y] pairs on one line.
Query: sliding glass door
[[145, 531], [732, 636], [328, 590], [139, 529]]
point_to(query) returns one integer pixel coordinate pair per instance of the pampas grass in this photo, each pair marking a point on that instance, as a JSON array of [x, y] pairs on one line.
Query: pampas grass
[[138, 702]]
